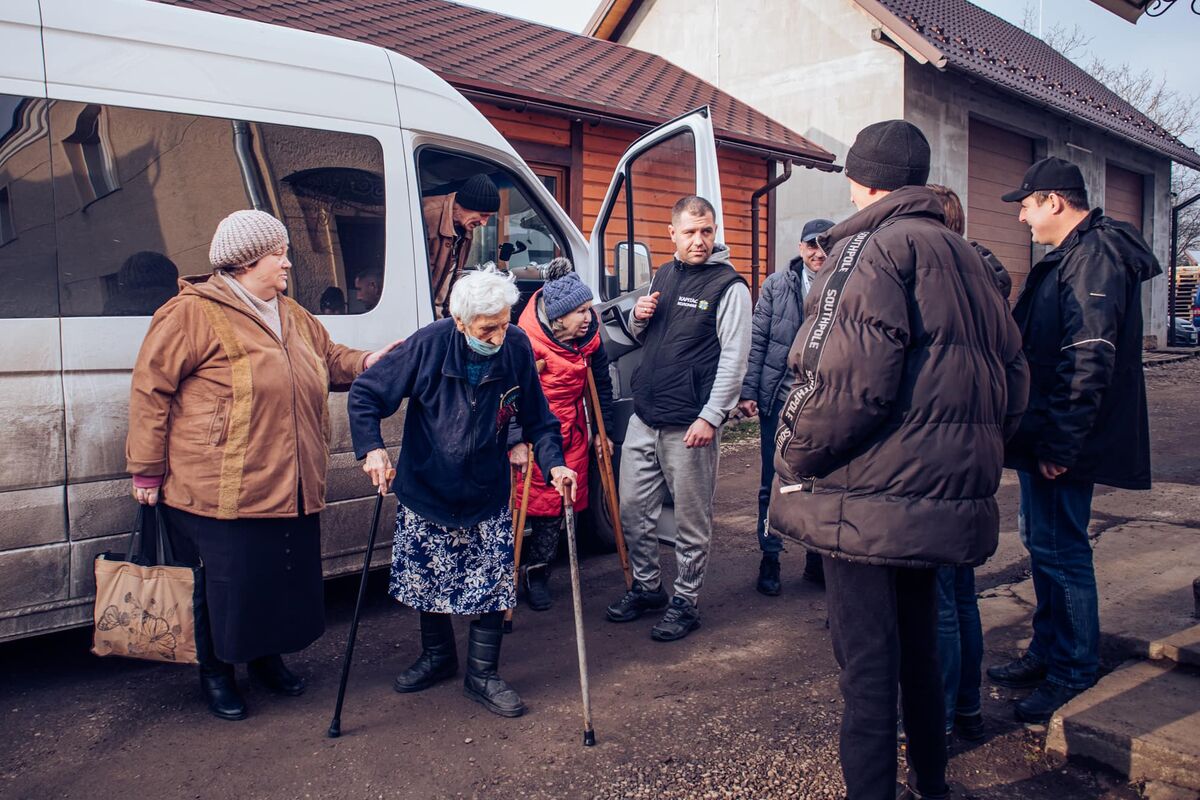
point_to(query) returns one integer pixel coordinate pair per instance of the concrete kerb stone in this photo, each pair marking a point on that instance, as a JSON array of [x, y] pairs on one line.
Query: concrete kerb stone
[[1142, 719]]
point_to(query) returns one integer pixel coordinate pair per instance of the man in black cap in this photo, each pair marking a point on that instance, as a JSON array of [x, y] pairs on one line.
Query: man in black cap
[[909, 373], [450, 223], [777, 317], [1080, 314]]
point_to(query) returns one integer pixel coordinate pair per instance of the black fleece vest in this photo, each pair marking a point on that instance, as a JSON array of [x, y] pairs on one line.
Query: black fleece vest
[[681, 350]]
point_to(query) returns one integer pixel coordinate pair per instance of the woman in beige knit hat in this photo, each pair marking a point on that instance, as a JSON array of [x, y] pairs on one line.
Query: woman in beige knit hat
[[229, 428]]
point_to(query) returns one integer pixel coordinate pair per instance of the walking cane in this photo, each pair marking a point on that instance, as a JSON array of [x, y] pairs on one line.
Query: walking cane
[[335, 726], [589, 735], [519, 537], [608, 482]]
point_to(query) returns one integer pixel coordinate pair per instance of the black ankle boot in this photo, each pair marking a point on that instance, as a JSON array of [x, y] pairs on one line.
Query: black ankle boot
[[220, 690], [482, 684], [438, 660], [537, 588], [271, 672]]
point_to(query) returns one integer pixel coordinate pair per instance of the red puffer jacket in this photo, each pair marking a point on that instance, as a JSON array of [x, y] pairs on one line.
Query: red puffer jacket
[[564, 381]]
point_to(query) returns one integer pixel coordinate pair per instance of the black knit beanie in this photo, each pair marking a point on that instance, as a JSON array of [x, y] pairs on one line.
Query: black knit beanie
[[888, 155], [478, 193]]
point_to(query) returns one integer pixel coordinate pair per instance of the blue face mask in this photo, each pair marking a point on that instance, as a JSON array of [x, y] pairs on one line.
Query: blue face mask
[[481, 347]]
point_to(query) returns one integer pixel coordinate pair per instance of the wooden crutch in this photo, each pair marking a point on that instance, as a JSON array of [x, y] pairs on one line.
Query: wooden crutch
[[519, 537], [608, 482]]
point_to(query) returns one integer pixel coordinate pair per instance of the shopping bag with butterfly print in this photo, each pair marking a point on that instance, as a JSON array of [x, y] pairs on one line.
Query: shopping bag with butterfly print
[[147, 606]]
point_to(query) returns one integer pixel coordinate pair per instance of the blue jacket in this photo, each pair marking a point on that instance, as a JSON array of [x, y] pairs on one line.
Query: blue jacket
[[777, 317], [453, 465]]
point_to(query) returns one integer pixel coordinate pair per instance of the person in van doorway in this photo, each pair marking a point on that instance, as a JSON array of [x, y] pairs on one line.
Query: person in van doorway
[[564, 332], [694, 324], [450, 223], [368, 288], [777, 318], [466, 379], [333, 301], [228, 427], [1080, 313], [909, 374]]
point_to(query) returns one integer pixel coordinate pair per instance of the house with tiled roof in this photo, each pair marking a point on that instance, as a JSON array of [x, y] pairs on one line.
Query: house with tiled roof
[[991, 97], [569, 104]]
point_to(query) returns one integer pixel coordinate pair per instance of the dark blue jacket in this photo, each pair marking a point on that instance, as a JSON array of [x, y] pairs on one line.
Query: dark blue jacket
[[453, 465], [777, 317]]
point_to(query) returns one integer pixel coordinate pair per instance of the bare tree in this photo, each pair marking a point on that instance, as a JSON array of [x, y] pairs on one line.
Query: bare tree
[[1072, 42]]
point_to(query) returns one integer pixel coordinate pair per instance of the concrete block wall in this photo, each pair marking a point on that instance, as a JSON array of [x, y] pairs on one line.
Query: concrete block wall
[[809, 64]]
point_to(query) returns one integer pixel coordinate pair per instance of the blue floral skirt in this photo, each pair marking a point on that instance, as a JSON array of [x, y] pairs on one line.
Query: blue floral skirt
[[453, 570]]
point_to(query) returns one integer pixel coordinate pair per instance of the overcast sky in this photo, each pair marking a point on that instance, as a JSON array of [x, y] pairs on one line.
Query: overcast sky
[[1165, 44]]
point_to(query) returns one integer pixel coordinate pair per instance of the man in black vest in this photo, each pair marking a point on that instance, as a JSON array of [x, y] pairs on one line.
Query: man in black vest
[[694, 324]]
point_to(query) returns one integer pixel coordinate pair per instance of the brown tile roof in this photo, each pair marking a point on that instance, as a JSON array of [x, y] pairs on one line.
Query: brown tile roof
[[981, 44], [480, 51]]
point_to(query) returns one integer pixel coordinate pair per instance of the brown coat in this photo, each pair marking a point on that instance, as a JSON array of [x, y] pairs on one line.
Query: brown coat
[[235, 419], [910, 377], [447, 249]]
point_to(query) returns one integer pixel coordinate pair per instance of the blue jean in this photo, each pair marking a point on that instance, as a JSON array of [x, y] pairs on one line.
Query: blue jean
[[767, 423], [1066, 622], [960, 640]]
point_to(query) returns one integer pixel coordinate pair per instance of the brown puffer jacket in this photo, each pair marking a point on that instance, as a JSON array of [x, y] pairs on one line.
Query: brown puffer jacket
[[234, 418], [910, 377]]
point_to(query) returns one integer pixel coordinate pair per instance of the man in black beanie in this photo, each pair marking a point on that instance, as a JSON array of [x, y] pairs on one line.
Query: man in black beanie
[[450, 223], [909, 377]]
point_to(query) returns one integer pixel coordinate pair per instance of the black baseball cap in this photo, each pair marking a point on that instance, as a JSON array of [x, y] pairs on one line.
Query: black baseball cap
[[814, 228], [1047, 175]]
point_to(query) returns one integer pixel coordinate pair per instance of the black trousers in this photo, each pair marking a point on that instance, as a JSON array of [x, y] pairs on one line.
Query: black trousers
[[883, 621]]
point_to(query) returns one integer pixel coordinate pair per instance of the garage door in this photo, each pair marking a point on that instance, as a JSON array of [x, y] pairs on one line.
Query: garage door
[[1123, 195], [996, 162]]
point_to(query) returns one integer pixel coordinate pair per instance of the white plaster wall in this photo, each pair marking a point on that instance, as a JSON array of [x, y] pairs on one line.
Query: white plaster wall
[[809, 64], [942, 103]]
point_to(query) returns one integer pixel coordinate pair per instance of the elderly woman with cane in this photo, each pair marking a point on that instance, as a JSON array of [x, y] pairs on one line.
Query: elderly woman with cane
[[564, 332], [228, 428], [466, 378]]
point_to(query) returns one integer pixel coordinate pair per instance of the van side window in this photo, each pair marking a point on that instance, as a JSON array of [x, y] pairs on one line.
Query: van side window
[[513, 231], [651, 183], [139, 193], [26, 210]]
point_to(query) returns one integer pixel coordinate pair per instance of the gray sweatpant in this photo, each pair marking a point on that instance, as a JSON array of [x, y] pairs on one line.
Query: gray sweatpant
[[654, 461]]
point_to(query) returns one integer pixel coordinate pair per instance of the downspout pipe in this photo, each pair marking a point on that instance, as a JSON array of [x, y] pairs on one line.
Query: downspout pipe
[[1173, 271], [755, 203]]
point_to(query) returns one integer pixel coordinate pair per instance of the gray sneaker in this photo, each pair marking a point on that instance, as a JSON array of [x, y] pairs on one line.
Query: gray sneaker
[[681, 619]]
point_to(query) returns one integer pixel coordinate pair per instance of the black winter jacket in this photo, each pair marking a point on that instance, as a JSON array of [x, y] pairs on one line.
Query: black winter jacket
[[1080, 314], [910, 377], [453, 465], [777, 318]]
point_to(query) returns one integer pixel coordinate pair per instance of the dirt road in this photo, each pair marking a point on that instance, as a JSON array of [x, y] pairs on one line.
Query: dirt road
[[747, 707]]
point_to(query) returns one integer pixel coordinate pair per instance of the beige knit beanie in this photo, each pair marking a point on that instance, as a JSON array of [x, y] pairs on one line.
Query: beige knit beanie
[[244, 237]]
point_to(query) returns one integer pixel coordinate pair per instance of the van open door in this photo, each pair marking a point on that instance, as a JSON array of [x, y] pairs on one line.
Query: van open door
[[630, 241]]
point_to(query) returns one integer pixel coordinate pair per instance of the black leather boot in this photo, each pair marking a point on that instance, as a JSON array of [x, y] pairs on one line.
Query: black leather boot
[[271, 672], [482, 684], [537, 588], [438, 660], [220, 690]]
